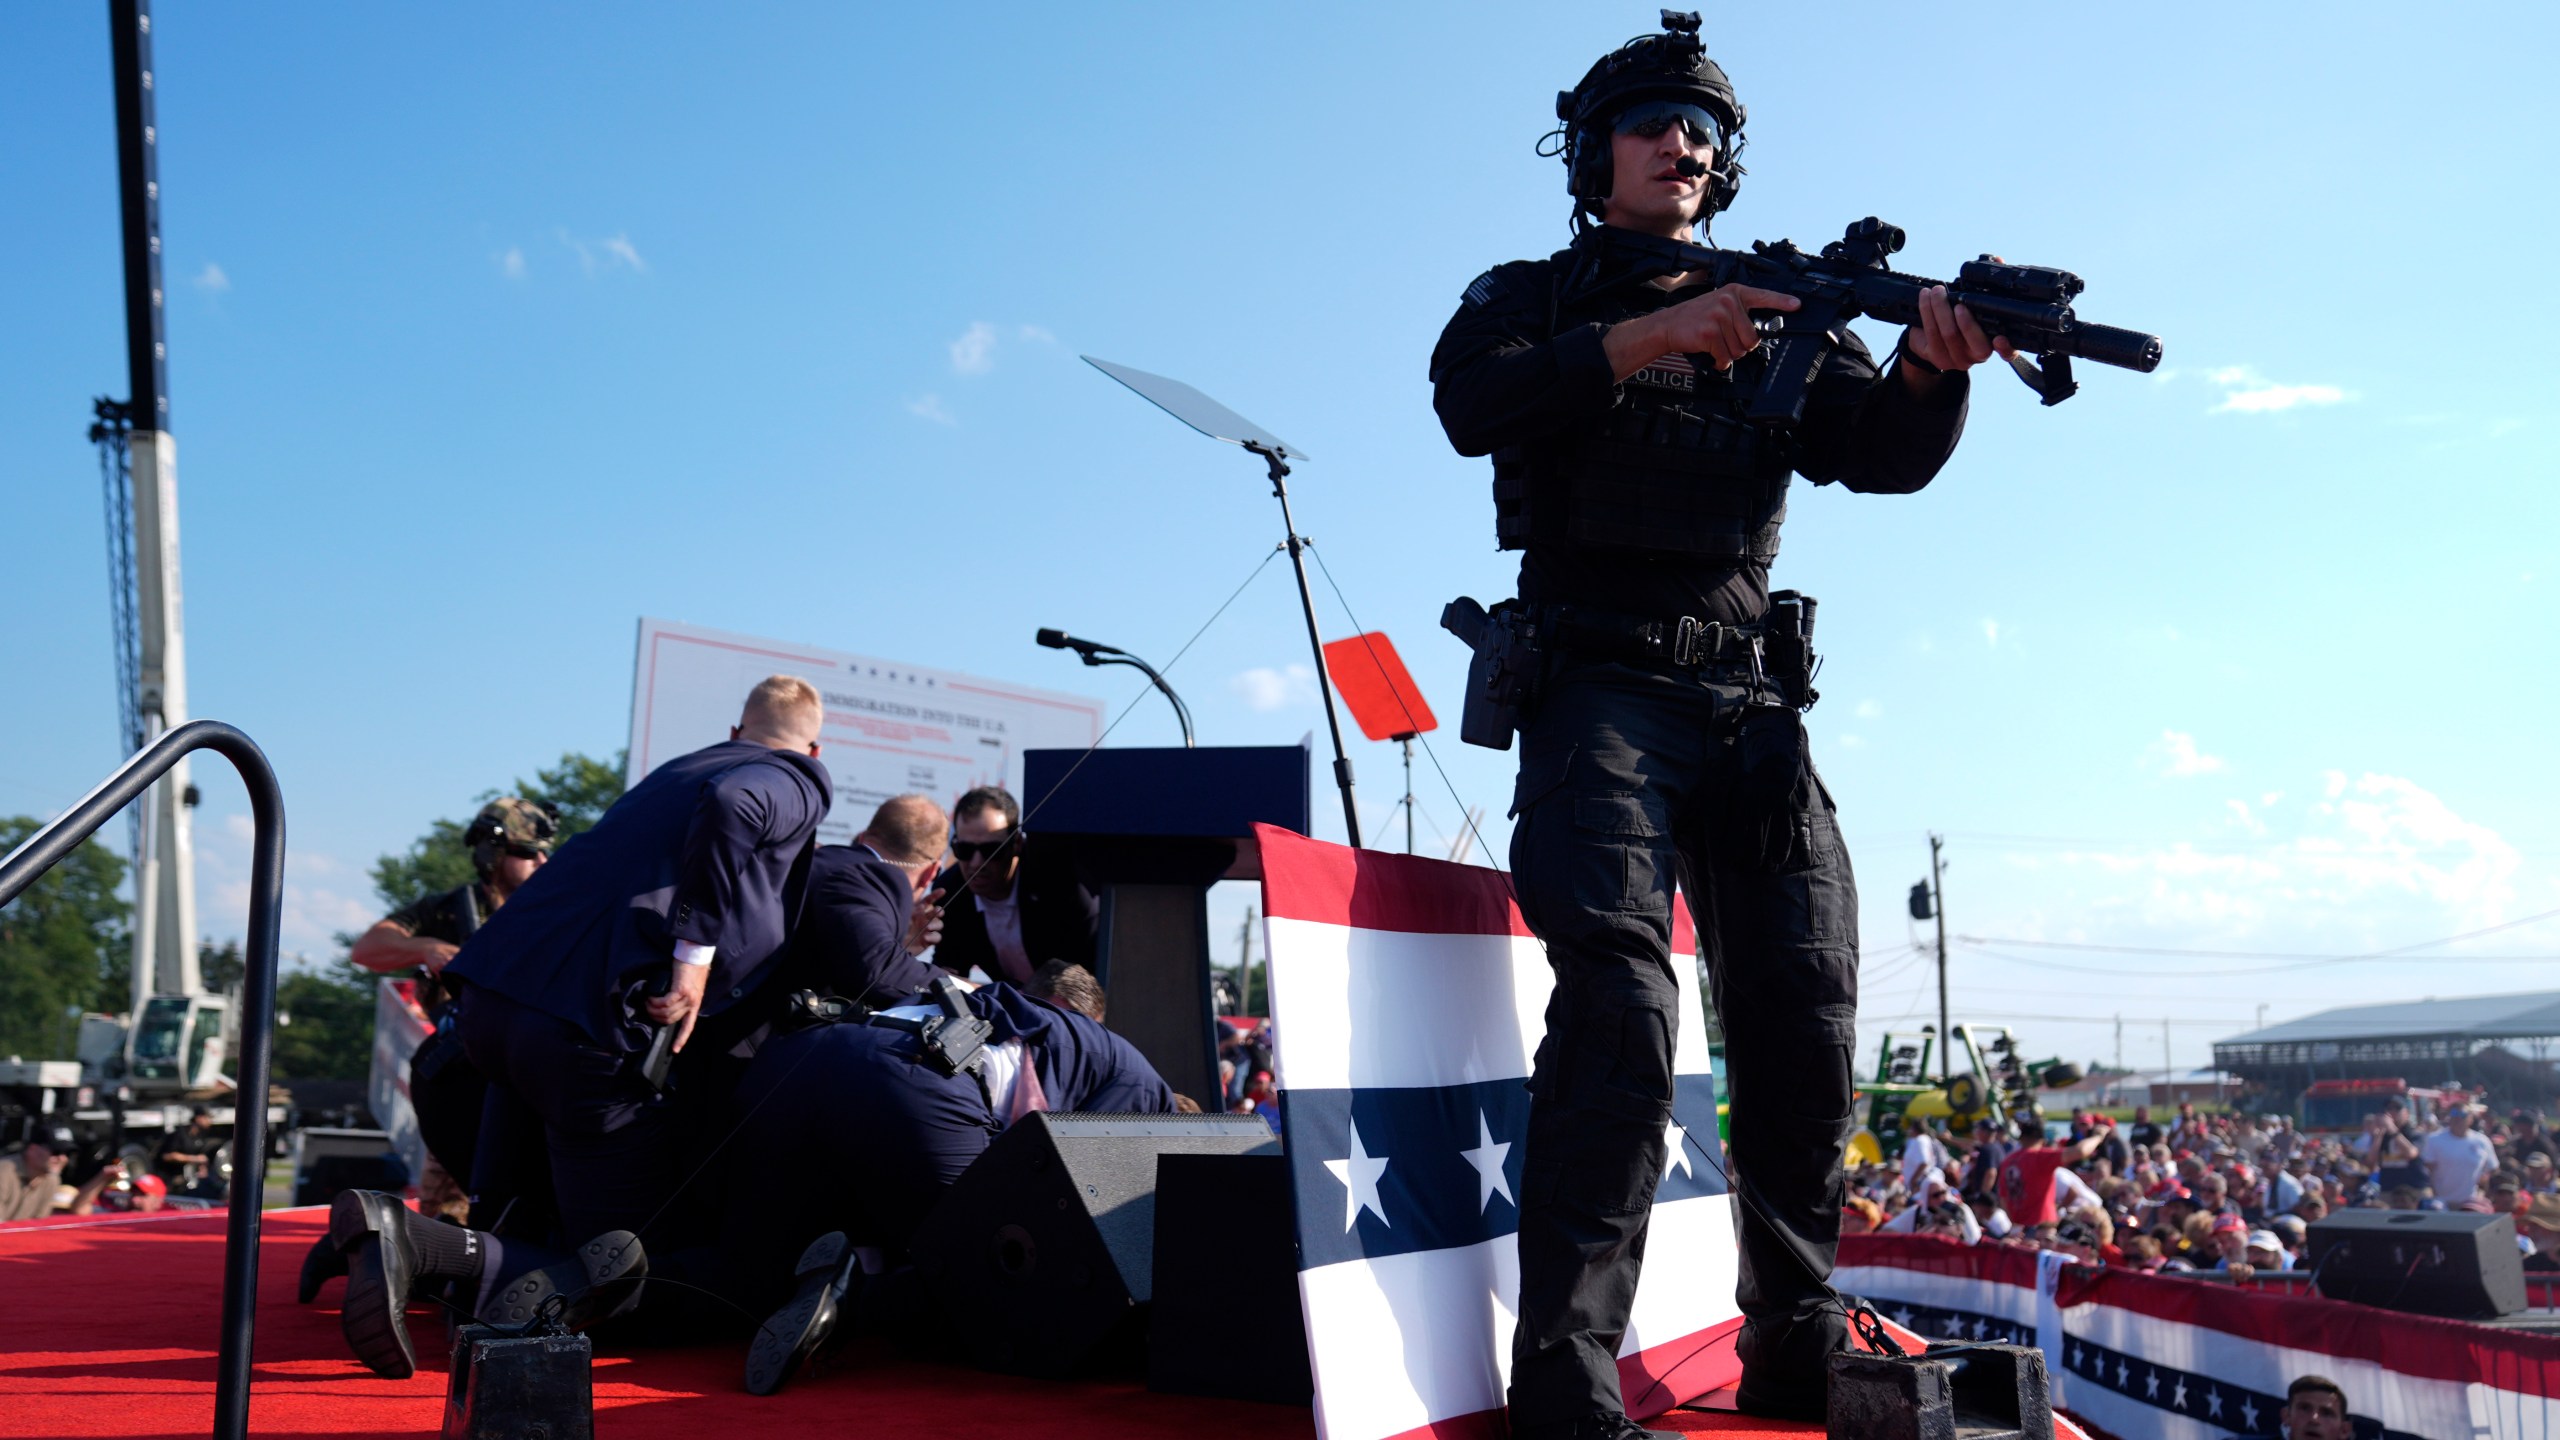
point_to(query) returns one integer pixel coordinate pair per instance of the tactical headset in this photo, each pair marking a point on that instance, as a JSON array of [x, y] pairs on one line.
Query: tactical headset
[[488, 830], [1670, 66]]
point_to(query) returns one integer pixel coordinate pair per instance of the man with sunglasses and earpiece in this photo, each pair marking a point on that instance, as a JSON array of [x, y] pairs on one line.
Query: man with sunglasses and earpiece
[[1007, 906], [1661, 742]]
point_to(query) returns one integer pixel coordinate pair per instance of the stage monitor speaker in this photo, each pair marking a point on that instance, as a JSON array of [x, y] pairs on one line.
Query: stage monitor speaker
[[2455, 1263], [1042, 1254], [1227, 1322]]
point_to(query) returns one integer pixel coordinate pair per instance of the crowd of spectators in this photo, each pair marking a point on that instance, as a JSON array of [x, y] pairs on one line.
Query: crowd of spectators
[[1245, 1069], [34, 1182], [2227, 1193]]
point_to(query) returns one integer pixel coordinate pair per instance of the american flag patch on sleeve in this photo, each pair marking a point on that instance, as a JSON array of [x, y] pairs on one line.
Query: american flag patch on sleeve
[[1482, 290]]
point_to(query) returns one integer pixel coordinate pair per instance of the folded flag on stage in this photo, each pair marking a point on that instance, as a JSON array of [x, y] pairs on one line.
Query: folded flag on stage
[[1407, 998]]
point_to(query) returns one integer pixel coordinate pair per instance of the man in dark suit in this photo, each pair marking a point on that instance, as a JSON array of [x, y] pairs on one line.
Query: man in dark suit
[[876, 1135], [1006, 909], [857, 936], [667, 912]]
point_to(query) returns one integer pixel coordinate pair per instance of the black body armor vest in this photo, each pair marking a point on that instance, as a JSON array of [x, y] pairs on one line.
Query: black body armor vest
[[1671, 468]]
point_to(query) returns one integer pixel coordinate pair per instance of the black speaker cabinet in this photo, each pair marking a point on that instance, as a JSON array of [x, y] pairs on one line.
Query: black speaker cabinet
[[2430, 1262], [1227, 1321], [1043, 1253]]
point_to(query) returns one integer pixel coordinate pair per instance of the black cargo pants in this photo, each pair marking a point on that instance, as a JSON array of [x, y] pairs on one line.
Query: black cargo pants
[[1631, 781]]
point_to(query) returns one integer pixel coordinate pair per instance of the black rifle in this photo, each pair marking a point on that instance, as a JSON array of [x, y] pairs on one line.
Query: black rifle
[[2029, 305]]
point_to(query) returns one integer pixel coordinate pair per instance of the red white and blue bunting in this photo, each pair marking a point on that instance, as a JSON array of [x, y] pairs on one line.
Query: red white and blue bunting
[[2147, 1357]]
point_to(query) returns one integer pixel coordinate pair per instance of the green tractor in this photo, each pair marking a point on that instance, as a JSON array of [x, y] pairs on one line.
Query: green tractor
[[1987, 1079]]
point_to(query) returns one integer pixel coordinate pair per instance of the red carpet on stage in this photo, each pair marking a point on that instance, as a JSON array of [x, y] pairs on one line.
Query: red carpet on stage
[[107, 1329]]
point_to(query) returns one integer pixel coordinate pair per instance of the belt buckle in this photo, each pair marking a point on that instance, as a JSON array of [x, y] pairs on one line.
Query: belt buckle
[[1689, 641]]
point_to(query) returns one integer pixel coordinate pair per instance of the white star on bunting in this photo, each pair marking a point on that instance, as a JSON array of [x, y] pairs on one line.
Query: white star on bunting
[[1487, 1159], [2178, 1396], [1359, 1176]]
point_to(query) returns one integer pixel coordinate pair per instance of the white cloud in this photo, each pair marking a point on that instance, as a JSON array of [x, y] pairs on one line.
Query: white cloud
[[929, 407], [1852, 742], [1869, 710], [597, 257], [511, 263], [324, 897], [2179, 758], [211, 279], [1037, 334], [2378, 861], [1265, 688], [974, 353], [1990, 630], [2246, 392]]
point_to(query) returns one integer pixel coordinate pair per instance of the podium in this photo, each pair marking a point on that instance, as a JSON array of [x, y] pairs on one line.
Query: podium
[[1149, 831]]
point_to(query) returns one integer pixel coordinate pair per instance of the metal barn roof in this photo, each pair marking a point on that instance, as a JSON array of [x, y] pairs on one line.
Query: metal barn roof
[[2478, 1017]]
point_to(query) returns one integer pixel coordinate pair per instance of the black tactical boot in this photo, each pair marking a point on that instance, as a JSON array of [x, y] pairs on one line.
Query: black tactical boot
[[1786, 1365], [786, 1341], [379, 1264], [1594, 1427], [599, 1282]]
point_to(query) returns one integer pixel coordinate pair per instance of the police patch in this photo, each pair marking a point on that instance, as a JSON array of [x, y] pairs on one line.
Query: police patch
[[1668, 372]]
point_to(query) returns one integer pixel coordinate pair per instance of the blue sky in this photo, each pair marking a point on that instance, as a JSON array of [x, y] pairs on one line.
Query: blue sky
[[493, 328]]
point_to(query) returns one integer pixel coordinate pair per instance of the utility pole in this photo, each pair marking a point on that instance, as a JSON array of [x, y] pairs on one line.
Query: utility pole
[[1938, 897], [2168, 1067], [164, 930]]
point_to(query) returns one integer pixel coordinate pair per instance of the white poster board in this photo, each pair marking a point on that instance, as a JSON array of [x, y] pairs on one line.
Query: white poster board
[[892, 728]]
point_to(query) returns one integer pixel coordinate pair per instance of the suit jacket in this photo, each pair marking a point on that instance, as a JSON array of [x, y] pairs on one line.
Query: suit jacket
[[1060, 917], [852, 936], [712, 847]]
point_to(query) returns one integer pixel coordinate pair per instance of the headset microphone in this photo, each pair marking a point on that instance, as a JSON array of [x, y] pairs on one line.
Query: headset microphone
[[1689, 165]]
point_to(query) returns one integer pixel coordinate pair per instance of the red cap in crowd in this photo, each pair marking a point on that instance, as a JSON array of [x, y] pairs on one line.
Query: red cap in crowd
[[2226, 1223], [151, 1185]]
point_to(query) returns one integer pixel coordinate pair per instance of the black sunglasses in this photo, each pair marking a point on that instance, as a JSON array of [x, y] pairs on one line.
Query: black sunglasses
[[526, 852], [978, 849], [1652, 118]]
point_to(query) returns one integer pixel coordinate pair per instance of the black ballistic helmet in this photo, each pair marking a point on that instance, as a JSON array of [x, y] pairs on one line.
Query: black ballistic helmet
[[1673, 67]]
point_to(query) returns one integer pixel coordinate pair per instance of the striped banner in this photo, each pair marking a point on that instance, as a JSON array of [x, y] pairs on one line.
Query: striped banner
[[2157, 1357], [1407, 999]]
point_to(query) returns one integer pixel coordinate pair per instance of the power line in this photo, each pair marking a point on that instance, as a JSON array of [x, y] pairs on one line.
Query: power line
[[2298, 960]]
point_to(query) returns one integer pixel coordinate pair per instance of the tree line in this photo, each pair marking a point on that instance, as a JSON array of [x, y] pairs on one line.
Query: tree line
[[66, 945]]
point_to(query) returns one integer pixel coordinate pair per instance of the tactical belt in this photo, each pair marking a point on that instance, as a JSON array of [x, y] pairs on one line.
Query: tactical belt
[[1686, 643]]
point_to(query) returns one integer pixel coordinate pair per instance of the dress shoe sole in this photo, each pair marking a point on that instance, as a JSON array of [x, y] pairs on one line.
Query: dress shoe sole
[[601, 1281], [372, 1314], [793, 1333]]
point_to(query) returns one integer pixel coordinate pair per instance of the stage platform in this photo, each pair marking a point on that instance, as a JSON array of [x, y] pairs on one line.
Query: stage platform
[[107, 1329]]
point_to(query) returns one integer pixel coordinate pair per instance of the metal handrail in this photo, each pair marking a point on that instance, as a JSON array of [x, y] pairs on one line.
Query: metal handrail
[[42, 850]]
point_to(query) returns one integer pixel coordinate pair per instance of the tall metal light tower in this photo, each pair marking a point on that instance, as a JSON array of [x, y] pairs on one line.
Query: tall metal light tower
[[140, 459]]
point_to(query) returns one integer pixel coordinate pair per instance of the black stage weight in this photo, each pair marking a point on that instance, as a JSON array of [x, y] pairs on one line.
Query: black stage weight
[[509, 1384], [1948, 1392]]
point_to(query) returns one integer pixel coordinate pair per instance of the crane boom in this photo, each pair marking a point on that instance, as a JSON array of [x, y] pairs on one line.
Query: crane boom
[[164, 932]]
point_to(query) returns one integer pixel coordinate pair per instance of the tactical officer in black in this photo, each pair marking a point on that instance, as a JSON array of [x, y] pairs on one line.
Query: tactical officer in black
[[1663, 743]]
